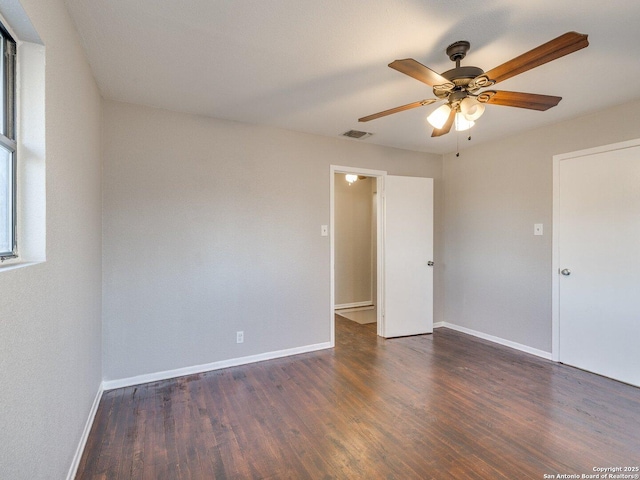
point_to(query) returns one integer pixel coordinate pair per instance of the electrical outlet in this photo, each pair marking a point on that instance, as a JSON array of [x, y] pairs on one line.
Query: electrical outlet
[[240, 337]]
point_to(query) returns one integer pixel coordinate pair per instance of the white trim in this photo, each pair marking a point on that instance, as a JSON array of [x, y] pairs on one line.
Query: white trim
[[233, 362], [498, 340], [357, 170], [555, 268], [601, 149], [356, 309], [379, 175], [380, 252], [367, 303], [555, 249], [75, 463], [13, 263]]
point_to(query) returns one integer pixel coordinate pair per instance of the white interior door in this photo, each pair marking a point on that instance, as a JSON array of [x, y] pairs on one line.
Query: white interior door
[[408, 249], [599, 255]]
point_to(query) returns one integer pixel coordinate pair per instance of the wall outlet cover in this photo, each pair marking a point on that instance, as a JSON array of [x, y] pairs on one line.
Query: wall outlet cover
[[537, 229]]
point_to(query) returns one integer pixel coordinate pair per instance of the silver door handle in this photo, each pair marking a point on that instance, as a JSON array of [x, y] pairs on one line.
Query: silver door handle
[[566, 272], [430, 263]]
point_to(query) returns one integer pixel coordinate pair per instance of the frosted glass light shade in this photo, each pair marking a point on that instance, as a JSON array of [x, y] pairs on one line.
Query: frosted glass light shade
[[439, 116], [462, 123], [471, 108], [351, 178]]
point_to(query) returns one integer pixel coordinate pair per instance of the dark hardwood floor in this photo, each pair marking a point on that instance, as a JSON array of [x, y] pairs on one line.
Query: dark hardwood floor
[[437, 406]]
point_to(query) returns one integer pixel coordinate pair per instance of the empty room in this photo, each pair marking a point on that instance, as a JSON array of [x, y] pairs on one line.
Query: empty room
[[290, 239]]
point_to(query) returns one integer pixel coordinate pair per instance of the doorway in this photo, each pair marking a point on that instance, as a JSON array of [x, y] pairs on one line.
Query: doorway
[[404, 252], [359, 297], [355, 247]]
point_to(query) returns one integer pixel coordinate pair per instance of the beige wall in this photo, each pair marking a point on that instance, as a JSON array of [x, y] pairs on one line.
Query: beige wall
[[211, 227], [353, 241], [50, 328], [497, 273]]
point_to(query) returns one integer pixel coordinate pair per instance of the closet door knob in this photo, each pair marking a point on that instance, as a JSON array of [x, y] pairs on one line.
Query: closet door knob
[[566, 272], [430, 263]]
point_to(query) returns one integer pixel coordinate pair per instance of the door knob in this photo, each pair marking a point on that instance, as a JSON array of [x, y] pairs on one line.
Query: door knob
[[566, 272], [430, 263]]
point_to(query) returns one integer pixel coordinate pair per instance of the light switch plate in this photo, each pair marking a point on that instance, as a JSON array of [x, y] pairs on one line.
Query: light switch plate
[[537, 229], [324, 230]]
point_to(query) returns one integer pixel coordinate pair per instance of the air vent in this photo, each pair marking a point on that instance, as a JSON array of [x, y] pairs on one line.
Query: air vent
[[356, 134]]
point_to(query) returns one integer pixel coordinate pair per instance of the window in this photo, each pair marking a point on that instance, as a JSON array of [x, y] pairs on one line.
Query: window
[[8, 167]]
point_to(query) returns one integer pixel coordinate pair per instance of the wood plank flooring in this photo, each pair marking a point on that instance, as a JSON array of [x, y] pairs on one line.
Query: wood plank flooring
[[436, 406]]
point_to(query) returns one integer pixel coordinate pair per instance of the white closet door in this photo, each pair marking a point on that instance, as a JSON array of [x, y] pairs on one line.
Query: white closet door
[[599, 256]]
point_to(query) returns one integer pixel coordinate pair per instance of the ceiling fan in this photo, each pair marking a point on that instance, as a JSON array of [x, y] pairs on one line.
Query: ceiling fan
[[461, 86]]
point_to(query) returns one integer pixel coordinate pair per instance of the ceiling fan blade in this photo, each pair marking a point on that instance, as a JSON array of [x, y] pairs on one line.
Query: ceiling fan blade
[[437, 132], [397, 109], [415, 69], [556, 48], [531, 101]]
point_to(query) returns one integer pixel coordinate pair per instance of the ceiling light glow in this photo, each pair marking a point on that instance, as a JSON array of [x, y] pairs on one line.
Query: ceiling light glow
[[462, 123], [439, 116], [471, 108]]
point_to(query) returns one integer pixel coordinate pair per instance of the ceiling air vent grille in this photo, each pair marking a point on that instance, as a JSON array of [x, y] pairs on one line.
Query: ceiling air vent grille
[[356, 134]]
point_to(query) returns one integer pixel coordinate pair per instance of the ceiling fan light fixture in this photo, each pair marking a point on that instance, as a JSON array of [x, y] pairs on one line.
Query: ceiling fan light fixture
[[471, 108], [460, 86], [462, 123], [439, 116]]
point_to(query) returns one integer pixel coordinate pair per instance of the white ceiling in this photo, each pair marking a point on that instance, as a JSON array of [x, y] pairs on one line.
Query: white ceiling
[[318, 65]]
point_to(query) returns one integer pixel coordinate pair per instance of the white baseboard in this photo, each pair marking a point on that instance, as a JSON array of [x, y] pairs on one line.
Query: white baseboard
[[367, 303], [498, 340], [75, 463], [233, 362]]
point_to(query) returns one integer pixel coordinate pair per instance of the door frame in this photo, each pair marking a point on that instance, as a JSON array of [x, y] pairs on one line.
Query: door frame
[[379, 175], [555, 251]]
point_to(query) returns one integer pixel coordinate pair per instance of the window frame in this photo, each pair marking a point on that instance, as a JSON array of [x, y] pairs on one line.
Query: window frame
[[8, 136]]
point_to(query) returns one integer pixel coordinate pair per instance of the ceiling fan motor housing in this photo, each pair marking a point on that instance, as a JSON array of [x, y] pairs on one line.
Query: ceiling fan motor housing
[[461, 77]]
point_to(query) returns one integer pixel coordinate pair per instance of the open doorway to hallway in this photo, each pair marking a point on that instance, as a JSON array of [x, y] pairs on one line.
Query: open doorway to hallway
[[355, 230]]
